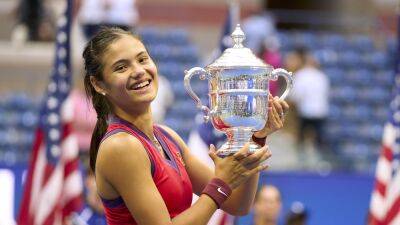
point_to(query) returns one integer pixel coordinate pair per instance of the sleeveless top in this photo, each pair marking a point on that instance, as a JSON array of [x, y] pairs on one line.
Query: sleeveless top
[[169, 174]]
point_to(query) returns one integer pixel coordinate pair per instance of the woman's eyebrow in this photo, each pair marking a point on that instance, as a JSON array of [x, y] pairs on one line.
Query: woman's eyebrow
[[127, 60], [120, 61], [141, 53]]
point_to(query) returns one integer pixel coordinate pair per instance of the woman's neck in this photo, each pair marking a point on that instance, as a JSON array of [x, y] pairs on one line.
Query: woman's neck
[[143, 120]]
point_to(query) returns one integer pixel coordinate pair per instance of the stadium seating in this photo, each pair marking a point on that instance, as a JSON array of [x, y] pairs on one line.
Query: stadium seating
[[18, 119], [360, 74], [361, 77]]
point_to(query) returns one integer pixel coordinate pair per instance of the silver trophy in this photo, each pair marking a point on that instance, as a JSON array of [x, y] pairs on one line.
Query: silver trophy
[[238, 84]]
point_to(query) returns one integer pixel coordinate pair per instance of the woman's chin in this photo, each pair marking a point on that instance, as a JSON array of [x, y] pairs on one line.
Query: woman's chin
[[145, 100]]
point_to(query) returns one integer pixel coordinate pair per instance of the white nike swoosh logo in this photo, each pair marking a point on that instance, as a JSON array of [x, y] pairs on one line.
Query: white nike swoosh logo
[[220, 191]]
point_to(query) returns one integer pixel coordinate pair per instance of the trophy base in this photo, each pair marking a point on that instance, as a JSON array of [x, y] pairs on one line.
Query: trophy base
[[237, 139]]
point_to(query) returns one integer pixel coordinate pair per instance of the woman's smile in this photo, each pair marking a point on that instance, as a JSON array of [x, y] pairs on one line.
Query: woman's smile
[[141, 87]]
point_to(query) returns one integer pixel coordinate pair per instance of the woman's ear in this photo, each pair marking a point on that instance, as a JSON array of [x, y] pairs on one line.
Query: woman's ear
[[98, 86]]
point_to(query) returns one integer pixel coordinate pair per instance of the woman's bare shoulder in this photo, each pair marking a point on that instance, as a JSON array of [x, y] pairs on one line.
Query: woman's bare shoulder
[[120, 152]]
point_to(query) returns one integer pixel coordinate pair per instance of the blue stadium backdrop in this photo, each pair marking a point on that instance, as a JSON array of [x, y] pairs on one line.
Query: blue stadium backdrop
[[332, 199]]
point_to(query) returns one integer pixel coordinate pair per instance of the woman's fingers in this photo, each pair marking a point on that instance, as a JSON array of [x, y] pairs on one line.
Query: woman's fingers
[[270, 97], [278, 106], [257, 169], [213, 153], [254, 160], [281, 106], [277, 120], [259, 162], [271, 117], [284, 105], [254, 157], [242, 153]]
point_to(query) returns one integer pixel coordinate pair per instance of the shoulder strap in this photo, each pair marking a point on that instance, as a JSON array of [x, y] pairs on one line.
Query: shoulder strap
[[168, 135], [116, 128]]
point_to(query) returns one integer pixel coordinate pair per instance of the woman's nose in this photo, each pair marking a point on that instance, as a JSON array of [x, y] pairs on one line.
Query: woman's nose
[[138, 71]]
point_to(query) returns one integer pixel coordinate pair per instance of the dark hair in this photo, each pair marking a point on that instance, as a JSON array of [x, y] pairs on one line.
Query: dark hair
[[302, 52], [93, 55], [297, 214]]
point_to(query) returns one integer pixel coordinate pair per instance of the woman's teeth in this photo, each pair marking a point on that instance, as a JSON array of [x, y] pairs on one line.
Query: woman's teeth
[[141, 85]]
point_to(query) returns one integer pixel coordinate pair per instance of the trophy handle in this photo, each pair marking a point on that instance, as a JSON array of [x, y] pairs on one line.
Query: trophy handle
[[203, 74], [288, 77]]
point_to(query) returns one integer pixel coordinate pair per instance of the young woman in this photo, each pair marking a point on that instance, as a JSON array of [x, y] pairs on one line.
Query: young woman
[[145, 174]]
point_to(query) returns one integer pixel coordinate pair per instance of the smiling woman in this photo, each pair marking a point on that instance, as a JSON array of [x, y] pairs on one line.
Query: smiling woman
[[130, 76], [145, 173]]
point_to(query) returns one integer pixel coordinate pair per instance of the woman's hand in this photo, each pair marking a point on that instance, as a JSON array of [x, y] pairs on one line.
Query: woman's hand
[[237, 168], [276, 117]]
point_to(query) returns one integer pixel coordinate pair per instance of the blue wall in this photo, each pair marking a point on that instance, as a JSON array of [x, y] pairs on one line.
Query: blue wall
[[334, 199]]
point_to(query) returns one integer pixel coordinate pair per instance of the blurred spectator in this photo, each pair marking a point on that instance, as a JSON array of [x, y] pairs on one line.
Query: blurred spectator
[[267, 206], [35, 22], [258, 27], [84, 119], [29, 15], [93, 212], [93, 14], [297, 214], [310, 94], [272, 56], [163, 100], [270, 51], [262, 39]]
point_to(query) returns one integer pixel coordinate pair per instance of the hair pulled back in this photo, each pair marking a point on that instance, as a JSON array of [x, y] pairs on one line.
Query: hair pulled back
[[94, 65]]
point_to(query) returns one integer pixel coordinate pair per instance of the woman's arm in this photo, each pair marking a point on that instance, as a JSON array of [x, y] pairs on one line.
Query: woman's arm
[[241, 199], [123, 162]]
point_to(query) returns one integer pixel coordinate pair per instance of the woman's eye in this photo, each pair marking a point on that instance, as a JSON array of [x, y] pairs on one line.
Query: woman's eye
[[120, 68], [143, 60]]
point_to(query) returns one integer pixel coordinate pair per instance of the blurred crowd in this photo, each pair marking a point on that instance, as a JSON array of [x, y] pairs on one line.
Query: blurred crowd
[[309, 98], [265, 44], [36, 19]]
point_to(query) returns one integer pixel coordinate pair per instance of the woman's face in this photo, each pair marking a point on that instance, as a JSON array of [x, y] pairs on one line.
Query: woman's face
[[130, 75], [293, 62], [268, 204]]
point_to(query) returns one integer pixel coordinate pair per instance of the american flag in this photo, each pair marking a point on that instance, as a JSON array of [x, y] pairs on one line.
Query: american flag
[[53, 185], [385, 199]]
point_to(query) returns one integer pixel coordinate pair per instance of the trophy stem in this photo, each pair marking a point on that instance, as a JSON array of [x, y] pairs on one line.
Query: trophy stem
[[237, 138]]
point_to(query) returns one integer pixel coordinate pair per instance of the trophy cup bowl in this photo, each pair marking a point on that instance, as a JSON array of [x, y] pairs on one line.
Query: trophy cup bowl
[[238, 90]]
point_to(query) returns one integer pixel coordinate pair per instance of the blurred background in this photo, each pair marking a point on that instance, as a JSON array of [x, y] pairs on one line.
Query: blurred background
[[325, 156]]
